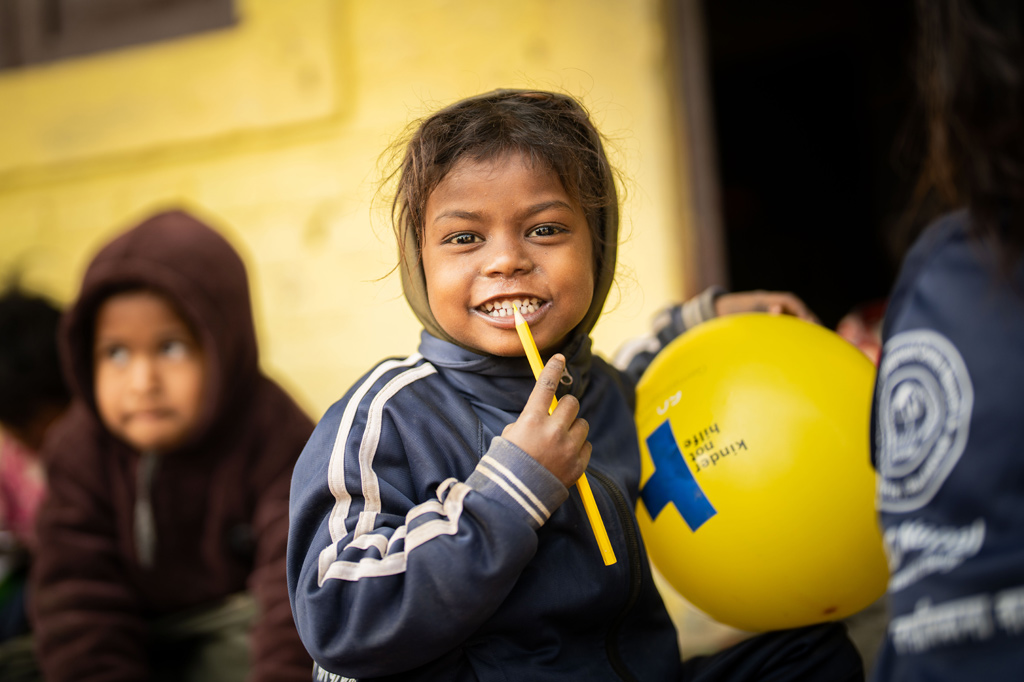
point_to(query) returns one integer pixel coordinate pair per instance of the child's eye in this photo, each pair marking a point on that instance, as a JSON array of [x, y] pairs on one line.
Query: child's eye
[[117, 355], [174, 349], [462, 238], [546, 231]]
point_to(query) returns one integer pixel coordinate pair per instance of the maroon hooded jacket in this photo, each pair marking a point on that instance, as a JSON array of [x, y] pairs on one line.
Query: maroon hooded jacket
[[219, 501]]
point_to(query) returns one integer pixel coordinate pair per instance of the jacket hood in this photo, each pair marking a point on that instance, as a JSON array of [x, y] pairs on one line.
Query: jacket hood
[[183, 259]]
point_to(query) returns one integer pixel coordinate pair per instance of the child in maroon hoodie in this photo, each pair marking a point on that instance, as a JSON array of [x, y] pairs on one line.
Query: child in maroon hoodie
[[162, 540]]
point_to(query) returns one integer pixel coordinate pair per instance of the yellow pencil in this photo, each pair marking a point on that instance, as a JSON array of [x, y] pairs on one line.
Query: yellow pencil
[[589, 504]]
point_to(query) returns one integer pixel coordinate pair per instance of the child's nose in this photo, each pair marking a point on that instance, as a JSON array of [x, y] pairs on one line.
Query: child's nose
[[144, 377], [508, 257]]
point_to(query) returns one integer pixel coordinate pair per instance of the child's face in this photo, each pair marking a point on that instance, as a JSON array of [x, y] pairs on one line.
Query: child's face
[[500, 231], [148, 370]]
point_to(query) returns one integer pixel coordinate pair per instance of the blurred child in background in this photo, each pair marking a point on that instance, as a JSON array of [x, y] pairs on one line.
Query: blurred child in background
[[949, 400], [162, 538], [434, 530], [32, 395]]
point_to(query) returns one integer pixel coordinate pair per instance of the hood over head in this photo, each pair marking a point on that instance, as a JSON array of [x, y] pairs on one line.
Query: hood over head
[[603, 220], [203, 276]]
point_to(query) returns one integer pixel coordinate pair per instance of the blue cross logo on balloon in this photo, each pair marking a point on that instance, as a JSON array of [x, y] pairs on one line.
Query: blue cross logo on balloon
[[673, 481]]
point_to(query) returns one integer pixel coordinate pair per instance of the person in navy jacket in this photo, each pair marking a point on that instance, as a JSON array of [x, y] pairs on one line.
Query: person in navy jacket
[[948, 415]]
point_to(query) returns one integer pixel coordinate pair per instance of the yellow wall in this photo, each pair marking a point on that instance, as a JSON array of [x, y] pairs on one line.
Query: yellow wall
[[272, 129]]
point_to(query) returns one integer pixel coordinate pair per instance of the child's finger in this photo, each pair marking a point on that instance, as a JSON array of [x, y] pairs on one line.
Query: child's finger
[[580, 429], [547, 382], [581, 462]]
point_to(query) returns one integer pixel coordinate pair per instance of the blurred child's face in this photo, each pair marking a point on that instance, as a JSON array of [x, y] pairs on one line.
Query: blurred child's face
[[148, 371], [501, 231]]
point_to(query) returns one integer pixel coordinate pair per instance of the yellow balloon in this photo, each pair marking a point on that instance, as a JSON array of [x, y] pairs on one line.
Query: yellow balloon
[[757, 492]]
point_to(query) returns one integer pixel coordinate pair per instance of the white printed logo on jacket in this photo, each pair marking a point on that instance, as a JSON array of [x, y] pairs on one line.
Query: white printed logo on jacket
[[924, 405]]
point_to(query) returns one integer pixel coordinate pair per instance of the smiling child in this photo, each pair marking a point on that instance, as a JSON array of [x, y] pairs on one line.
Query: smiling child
[[435, 529]]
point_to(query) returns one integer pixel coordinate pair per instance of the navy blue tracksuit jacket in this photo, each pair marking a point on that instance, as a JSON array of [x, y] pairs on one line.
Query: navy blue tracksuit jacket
[[423, 545], [948, 429]]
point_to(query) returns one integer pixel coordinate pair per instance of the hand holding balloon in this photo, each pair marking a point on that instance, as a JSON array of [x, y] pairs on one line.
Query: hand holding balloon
[[774, 302]]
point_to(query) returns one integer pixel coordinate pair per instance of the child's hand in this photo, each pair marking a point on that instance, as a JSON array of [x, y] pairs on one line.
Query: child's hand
[[559, 440], [775, 302]]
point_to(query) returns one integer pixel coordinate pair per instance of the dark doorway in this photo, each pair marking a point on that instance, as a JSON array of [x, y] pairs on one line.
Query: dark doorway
[[810, 100]]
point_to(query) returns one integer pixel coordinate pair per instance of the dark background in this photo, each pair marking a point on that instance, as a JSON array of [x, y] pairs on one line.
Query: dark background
[[812, 105]]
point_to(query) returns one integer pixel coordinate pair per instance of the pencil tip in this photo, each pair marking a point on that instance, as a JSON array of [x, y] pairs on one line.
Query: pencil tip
[[518, 315]]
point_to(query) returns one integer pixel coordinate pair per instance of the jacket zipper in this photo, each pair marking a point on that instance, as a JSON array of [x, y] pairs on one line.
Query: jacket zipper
[[633, 550]]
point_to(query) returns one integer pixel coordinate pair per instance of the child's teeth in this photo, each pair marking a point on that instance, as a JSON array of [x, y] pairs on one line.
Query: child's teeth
[[506, 308]]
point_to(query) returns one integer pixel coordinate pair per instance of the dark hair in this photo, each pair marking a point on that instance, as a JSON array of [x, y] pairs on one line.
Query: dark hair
[[970, 71], [30, 373], [546, 127]]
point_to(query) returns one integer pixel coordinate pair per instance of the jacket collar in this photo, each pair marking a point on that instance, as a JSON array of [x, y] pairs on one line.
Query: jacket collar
[[499, 382]]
